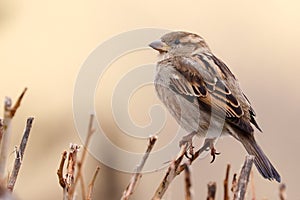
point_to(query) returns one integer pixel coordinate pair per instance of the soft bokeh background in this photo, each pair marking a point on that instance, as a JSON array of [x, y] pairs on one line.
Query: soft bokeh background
[[44, 43]]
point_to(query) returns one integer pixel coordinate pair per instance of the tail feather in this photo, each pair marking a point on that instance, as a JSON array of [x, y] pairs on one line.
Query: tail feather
[[262, 163]]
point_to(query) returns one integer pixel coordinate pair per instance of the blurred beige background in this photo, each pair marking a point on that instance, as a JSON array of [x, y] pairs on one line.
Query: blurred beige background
[[44, 43]]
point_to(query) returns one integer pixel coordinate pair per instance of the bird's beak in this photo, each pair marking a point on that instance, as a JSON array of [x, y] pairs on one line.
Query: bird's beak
[[159, 46]]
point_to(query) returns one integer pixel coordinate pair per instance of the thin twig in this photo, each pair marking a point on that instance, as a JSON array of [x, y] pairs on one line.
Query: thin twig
[[137, 175], [72, 161], [12, 110], [211, 191], [170, 174], [60, 170], [20, 155], [175, 169], [234, 183], [194, 157], [92, 183], [252, 185], [9, 113], [90, 132], [282, 191], [66, 181], [82, 185], [244, 178], [188, 183], [5, 194], [1, 129], [226, 192], [6, 137]]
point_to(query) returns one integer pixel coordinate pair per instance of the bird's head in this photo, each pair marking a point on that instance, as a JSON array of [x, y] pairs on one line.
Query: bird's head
[[180, 43]]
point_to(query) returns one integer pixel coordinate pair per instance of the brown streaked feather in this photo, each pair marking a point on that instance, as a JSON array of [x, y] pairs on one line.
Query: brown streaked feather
[[205, 80], [252, 115]]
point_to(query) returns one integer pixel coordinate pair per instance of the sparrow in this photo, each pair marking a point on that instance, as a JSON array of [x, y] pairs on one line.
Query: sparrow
[[204, 96]]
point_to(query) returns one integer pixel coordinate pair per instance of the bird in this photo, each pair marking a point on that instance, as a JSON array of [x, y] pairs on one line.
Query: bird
[[205, 97]]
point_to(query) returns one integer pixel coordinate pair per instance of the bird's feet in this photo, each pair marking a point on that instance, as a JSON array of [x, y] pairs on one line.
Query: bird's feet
[[188, 139], [213, 152]]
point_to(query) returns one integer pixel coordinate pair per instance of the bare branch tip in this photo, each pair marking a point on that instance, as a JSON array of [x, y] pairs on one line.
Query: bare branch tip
[[211, 190], [282, 191]]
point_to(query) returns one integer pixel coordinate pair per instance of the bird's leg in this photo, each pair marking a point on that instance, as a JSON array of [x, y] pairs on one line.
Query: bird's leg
[[188, 139], [213, 152]]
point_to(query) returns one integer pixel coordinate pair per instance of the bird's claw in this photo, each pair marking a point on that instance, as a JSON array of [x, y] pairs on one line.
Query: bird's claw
[[213, 153], [189, 155], [188, 139]]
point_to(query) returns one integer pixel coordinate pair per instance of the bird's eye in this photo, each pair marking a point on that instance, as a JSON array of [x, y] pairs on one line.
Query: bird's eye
[[177, 41]]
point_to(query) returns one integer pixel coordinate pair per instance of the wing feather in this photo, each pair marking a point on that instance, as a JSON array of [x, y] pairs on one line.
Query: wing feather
[[211, 82]]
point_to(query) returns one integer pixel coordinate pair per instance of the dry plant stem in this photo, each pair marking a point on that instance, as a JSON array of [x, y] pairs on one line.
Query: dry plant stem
[[175, 165], [137, 175], [170, 174], [80, 163], [92, 183], [234, 185], [65, 194], [5, 146], [60, 170], [282, 192], [252, 185], [72, 161], [67, 181], [9, 113], [4, 194], [20, 155], [195, 156], [226, 192], [188, 183], [1, 129], [211, 190], [69, 177], [82, 184], [244, 178]]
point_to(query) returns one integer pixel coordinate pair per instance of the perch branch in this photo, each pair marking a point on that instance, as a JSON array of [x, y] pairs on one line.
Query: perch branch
[[137, 175], [170, 174], [20, 155], [244, 178], [175, 169], [211, 190], [92, 183], [188, 183], [194, 157]]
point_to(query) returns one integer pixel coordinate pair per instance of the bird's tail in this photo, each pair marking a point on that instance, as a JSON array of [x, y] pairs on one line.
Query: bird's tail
[[262, 163]]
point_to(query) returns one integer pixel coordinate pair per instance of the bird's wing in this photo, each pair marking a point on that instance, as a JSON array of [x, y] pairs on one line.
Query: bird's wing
[[212, 84], [250, 113]]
